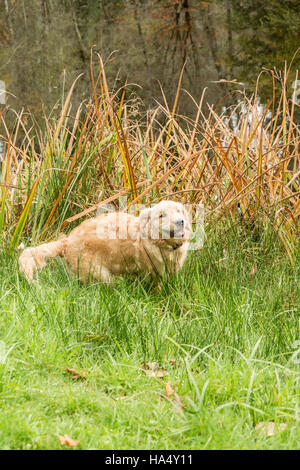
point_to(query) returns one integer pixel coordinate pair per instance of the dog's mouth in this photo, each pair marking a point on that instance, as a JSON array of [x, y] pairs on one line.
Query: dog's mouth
[[179, 233]]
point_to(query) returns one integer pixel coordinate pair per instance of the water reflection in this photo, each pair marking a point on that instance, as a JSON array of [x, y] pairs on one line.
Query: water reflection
[[45, 45]]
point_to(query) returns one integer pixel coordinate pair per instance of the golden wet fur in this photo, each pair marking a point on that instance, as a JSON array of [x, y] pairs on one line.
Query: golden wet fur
[[117, 243]]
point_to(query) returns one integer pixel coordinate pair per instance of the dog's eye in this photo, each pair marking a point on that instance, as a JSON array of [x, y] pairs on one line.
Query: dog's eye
[[163, 214]]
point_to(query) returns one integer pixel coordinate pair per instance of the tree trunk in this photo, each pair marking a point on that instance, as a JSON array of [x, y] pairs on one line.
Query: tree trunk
[[230, 43], [8, 18], [82, 50]]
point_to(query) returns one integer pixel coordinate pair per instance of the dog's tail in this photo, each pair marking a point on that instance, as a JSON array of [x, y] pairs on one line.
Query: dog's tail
[[36, 258]]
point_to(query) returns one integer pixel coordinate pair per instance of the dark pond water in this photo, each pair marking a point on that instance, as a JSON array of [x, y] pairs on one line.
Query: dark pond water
[[45, 45]]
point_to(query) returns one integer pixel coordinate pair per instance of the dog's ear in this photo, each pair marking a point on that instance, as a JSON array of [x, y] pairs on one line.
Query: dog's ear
[[144, 219]]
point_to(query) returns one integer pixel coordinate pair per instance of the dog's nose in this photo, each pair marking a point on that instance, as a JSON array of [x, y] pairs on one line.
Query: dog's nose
[[179, 223]]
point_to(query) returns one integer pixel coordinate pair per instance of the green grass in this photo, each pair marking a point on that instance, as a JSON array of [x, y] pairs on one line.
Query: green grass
[[231, 333]]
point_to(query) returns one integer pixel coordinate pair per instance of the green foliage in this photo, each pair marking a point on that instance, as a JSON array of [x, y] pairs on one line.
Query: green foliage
[[230, 320], [224, 335], [241, 161]]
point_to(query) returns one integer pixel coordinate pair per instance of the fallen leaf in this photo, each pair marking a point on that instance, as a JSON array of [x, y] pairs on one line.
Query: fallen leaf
[[253, 270], [269, 428], [155, 373], [178, 401], [151, 365], [169, 390], [71, 371], [76, 375], [152, 369], [67, 441], [148, 366], [173, 363]]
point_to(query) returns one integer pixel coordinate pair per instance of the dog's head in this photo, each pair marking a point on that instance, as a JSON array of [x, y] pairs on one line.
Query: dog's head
[[167, 223]]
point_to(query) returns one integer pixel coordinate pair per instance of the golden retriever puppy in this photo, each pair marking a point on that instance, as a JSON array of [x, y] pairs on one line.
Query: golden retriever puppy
[[117, 243]]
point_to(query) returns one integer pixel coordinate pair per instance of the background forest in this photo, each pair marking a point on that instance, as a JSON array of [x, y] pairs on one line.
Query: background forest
[[45, 45], [210, 360]]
